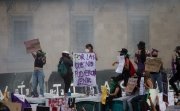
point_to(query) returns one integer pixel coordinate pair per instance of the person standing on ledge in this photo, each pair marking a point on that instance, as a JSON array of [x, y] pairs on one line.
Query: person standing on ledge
[[176, 65], [38, 75], [65, 70], [89, 49]]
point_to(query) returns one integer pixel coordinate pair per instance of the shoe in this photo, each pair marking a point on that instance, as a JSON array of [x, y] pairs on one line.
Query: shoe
[[41, 96]]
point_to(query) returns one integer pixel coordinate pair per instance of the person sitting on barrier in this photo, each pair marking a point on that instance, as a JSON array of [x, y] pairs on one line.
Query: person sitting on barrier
[[115, 92], [141, 98]]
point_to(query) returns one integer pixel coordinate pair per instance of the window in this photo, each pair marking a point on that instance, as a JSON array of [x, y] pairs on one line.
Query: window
[[82, 32], [138, 30], [21, 28]]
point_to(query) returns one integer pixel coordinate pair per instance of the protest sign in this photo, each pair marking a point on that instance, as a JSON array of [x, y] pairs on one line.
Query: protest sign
[[132, 82], [142, 88], [153, 64], [84, 69], [32, 45], [165, 86], [120, 67]]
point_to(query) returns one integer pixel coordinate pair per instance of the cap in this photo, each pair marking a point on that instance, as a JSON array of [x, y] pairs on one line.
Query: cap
[[65, 52]]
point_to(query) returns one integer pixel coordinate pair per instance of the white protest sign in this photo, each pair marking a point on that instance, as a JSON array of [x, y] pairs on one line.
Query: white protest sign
[[142, 88], [171, 98], [120, 67], [1, 95], [84, 69], [153, 95]]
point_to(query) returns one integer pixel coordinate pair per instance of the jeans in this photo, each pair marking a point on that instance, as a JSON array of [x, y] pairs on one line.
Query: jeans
[[157, 77], [38, 78]]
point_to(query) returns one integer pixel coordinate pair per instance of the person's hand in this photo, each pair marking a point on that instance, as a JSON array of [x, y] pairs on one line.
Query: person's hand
[[114, 63]]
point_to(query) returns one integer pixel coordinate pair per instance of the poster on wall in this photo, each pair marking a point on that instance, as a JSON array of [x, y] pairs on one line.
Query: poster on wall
[[84, 69], [32, 45]]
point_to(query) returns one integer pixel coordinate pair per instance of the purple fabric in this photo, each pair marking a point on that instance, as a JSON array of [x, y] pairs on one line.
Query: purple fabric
[[25, 104]]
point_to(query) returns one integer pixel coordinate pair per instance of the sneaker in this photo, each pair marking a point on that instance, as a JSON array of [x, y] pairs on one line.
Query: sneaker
[[41, 96]]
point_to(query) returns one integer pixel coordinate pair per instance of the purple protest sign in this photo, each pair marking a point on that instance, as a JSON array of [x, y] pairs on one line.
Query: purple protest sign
[[84, 69]]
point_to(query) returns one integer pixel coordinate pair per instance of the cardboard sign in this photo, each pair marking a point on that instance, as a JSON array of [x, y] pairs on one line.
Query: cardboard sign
[[132, 82], [153, 64], [120, 67], [32, 45], [84, 69], [13, 106]]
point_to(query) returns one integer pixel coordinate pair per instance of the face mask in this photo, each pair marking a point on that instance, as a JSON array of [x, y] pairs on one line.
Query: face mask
[[87, 50], [154, 55]]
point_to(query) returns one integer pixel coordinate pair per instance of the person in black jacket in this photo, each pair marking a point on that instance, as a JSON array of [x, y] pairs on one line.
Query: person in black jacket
[[176, 76], [68, 76]]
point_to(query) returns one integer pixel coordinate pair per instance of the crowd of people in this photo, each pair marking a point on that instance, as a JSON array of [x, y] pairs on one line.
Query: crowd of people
[[150, 78]]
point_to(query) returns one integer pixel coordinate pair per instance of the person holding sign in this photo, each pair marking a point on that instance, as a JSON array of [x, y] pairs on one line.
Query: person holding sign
[[126, 68], [65, 70], [89, 49], [156, 76], [115, 92], [176, 76], [38, 75]]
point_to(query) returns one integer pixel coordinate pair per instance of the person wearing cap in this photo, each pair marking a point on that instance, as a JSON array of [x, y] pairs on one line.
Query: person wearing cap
[[38, 75], [156, 76], [67, 61], [126, 72], [176, 75], [115, 92]]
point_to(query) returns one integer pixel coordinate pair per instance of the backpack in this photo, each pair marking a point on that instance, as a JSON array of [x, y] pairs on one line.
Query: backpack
[[62, 69]]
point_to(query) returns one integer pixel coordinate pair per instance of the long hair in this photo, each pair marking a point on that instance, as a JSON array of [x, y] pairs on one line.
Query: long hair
[[141, 46]]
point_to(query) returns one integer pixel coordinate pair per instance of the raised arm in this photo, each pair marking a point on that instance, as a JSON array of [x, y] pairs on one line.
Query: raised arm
[[115, 92], [34, 55]]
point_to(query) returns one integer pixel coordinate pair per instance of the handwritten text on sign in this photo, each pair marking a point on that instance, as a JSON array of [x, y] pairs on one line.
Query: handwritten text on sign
[[84, 67]]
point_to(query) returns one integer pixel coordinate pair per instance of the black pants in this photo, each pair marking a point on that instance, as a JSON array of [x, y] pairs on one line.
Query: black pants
[[67, 82], [108, 102], [124, 76], [175, 78]]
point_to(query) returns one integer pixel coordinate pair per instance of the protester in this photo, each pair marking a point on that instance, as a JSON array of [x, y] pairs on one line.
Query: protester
[[134, 101], [140, 59], [176, 75], [65, 70], [38, 75], [89, 49], [156, 76], [115, 92], [126, 70]]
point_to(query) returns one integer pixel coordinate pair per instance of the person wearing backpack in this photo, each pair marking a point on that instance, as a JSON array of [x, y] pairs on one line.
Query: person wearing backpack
[[65, 70]]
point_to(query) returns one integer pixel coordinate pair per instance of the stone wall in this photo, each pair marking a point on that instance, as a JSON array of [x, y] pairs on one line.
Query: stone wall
[[54, 23]]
